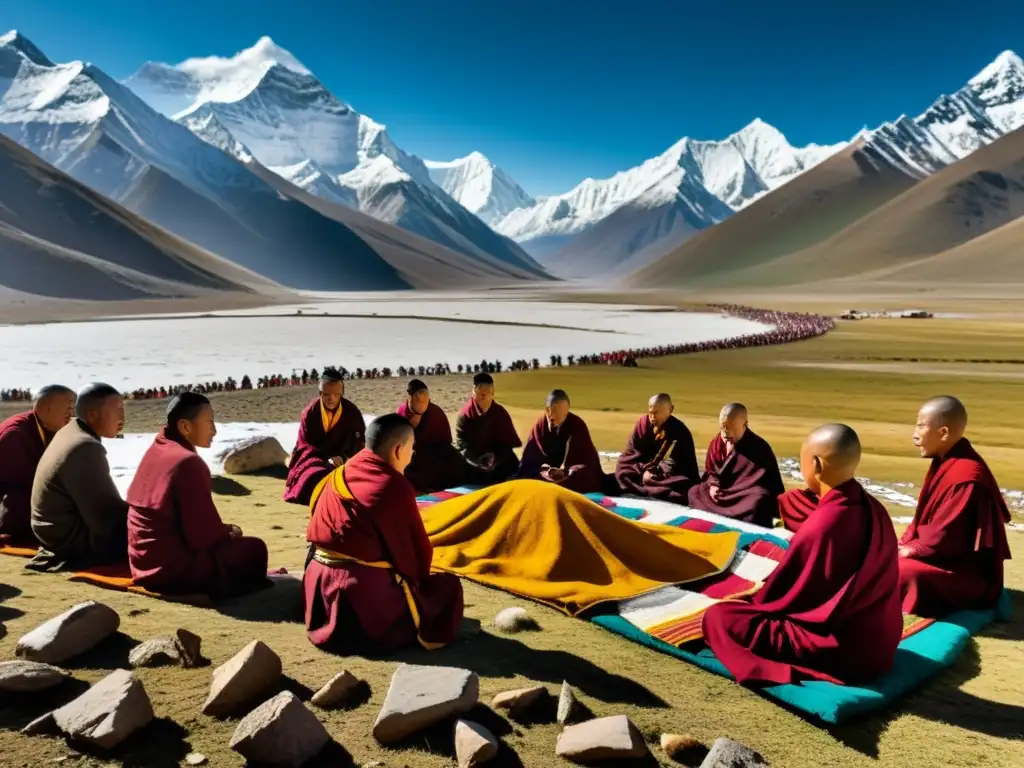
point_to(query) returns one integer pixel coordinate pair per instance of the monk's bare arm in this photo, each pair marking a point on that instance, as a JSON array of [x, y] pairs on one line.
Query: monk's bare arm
[[86, 477]]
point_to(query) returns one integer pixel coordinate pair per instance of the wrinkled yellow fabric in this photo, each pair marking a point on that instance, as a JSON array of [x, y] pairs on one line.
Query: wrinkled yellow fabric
[[543, 542]]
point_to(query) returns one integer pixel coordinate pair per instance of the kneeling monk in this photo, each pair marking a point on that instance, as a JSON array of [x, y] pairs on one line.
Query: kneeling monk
[[560, 449], [831, 609], [951, 556], [177, 542], [331, 431], [486, 436], [741, 474], [78, 515], [23, 438], [369, 585], [660, 460], [436, 464]]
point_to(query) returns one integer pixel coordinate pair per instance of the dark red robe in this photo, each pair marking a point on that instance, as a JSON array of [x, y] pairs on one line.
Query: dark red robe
[[314, 448], [177, 542], [748, 480], [829, 611], [436, 464], [795, 506], [958, 536], [668, 453], [22, 442], [568, 447], [367, 514], [478, 433]]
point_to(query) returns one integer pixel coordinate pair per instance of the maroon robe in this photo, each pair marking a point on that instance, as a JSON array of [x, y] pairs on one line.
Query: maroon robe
[[668, 453], [177, 542], [314, 448], [958, 538], [366, 514], [748, 479], [478, 433], [548, 446], [22, 442], [436, 463], [829, 611], [795, 506]]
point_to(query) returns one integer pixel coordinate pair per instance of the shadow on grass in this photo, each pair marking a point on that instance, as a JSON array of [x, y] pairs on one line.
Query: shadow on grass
[[331, 756], [1014, 628], [279, 603], [109, 654], [439, 738], [227, 486], [276, 472], [7, 613], [161, 744], [18, 710]]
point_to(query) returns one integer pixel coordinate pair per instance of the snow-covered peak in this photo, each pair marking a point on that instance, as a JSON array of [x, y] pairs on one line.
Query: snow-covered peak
[[1006, 64], [771, 155], [479, 185], [18, 42]]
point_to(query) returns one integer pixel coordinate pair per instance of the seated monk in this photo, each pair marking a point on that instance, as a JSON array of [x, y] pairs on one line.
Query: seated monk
[[78, 516], [830, 610], [660, 460], [741, 474], [177, 542], [23, 438], [486, 436], [369, 585], [560, 450], [951, 556], [436, 463], [331, 431]]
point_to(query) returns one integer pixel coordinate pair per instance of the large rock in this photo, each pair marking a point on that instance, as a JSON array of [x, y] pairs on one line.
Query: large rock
[[607, 738], [158, 652], [726, 753], [281, 732], [338, 691], [29, 676], [252, 455], [72, 633], [108, 713], [421, 696], [243, 680], [474, 744], [519, 701]]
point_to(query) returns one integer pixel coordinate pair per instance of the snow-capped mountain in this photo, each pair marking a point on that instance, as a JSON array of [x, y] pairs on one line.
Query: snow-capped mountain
[[480, 186], [277, 110]]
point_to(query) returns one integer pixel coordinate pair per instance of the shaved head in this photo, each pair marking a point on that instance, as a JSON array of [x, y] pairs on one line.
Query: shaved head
[[557, 396], [733, 411], [556, 407], [941, 423], [659, 408], [659, 399], [387, 431], [947, 411], [732, 422], [829, 457], [54, 406]]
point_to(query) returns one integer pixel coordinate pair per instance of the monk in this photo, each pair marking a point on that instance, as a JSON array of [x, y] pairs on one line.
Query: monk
[[78, 516], [369, 587], [486, 436], [951, 556], [741, 474], [23, 438], [660, 460], [831, 609], [560, 450], [331, 431], [795, 506], [436, 464], [177, 542]]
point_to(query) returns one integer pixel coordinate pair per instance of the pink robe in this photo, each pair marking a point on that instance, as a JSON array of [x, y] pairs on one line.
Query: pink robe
[[748, 480], [436, 464], [958, 538], [668, 453], [568, 447], [22, 442], [829, 611], [314, 448], [177, 542]]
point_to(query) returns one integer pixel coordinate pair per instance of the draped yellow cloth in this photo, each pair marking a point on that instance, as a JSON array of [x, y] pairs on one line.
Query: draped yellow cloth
[[541, 541]]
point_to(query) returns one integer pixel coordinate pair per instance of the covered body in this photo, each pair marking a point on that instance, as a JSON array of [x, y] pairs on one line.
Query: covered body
[[319, 441], [668, 453], [478, 433], [569, 447], [795, 506], [22, 442], [177, 542], [369, 585], [829, 611], [436, 463], [957, 537], [748, 480]]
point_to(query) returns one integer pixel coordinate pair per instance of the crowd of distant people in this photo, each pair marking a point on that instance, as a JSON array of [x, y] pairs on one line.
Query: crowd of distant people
[[789, 327]]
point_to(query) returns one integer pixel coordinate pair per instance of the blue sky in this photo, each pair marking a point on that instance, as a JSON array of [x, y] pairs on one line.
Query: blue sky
[[558, 90]]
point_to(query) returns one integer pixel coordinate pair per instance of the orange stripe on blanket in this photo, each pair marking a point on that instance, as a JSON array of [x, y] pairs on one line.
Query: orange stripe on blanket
[[118, 577], [7, 549]]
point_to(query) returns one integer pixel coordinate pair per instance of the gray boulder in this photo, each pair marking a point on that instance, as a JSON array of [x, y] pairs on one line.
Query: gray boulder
[[70, 634]]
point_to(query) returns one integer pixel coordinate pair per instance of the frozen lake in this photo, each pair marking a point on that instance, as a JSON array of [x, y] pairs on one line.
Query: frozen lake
[[339, 329]]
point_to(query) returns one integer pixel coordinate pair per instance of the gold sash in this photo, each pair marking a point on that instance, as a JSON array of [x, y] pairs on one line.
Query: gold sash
[[329, 420]]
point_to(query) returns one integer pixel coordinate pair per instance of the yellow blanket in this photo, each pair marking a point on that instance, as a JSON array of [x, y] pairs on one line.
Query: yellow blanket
[[540, 541]]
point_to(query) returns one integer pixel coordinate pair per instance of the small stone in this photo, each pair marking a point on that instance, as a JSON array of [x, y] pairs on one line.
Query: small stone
[[339, 691], [607, 738], [29, 676], [570, 710], [512, 620], [519, 701], [244, 679], [252, 455], [726, 753], [683, 748], [158, 652], [108, 713], [474, 744], [189, 648], [421, 696], [280, 731], [70, 634], [195, 758]]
